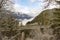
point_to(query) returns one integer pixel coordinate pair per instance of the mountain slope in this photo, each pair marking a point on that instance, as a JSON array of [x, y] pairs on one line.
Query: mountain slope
[[46, 16]]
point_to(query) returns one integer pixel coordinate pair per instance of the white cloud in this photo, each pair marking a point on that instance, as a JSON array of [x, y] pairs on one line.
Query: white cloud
[[20, 8], [17, 7], [37, 0], [32, 1], [25, 9], [28, 10]]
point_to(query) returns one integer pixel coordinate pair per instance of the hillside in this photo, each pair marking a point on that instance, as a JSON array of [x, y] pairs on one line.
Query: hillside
[[46, 17]]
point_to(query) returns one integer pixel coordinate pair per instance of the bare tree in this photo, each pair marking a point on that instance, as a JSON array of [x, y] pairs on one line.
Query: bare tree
[[9, 5], [6, 4], [2, 2], [50, 1]]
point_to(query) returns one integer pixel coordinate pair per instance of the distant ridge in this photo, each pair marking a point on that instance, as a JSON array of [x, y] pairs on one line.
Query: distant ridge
[[22, 16]]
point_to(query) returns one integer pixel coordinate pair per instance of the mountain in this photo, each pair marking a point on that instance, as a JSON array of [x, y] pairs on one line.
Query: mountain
[[22, 16], [47, 17]]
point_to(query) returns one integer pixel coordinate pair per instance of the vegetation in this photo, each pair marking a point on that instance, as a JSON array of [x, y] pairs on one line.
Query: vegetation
[[46, 16], [50, 17], [8, 23], [7, 20]]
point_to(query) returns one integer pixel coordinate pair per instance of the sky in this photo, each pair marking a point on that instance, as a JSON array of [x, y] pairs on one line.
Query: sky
[[31, 7]]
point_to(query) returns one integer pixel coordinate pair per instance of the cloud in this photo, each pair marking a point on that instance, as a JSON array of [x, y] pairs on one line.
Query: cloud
[[32, 1], [17, 7], [29, 10], [20, 8], [25, 9], [38, 0]]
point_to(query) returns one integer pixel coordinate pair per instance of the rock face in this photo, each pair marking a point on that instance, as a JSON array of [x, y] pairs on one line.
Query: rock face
[[49, 21]]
